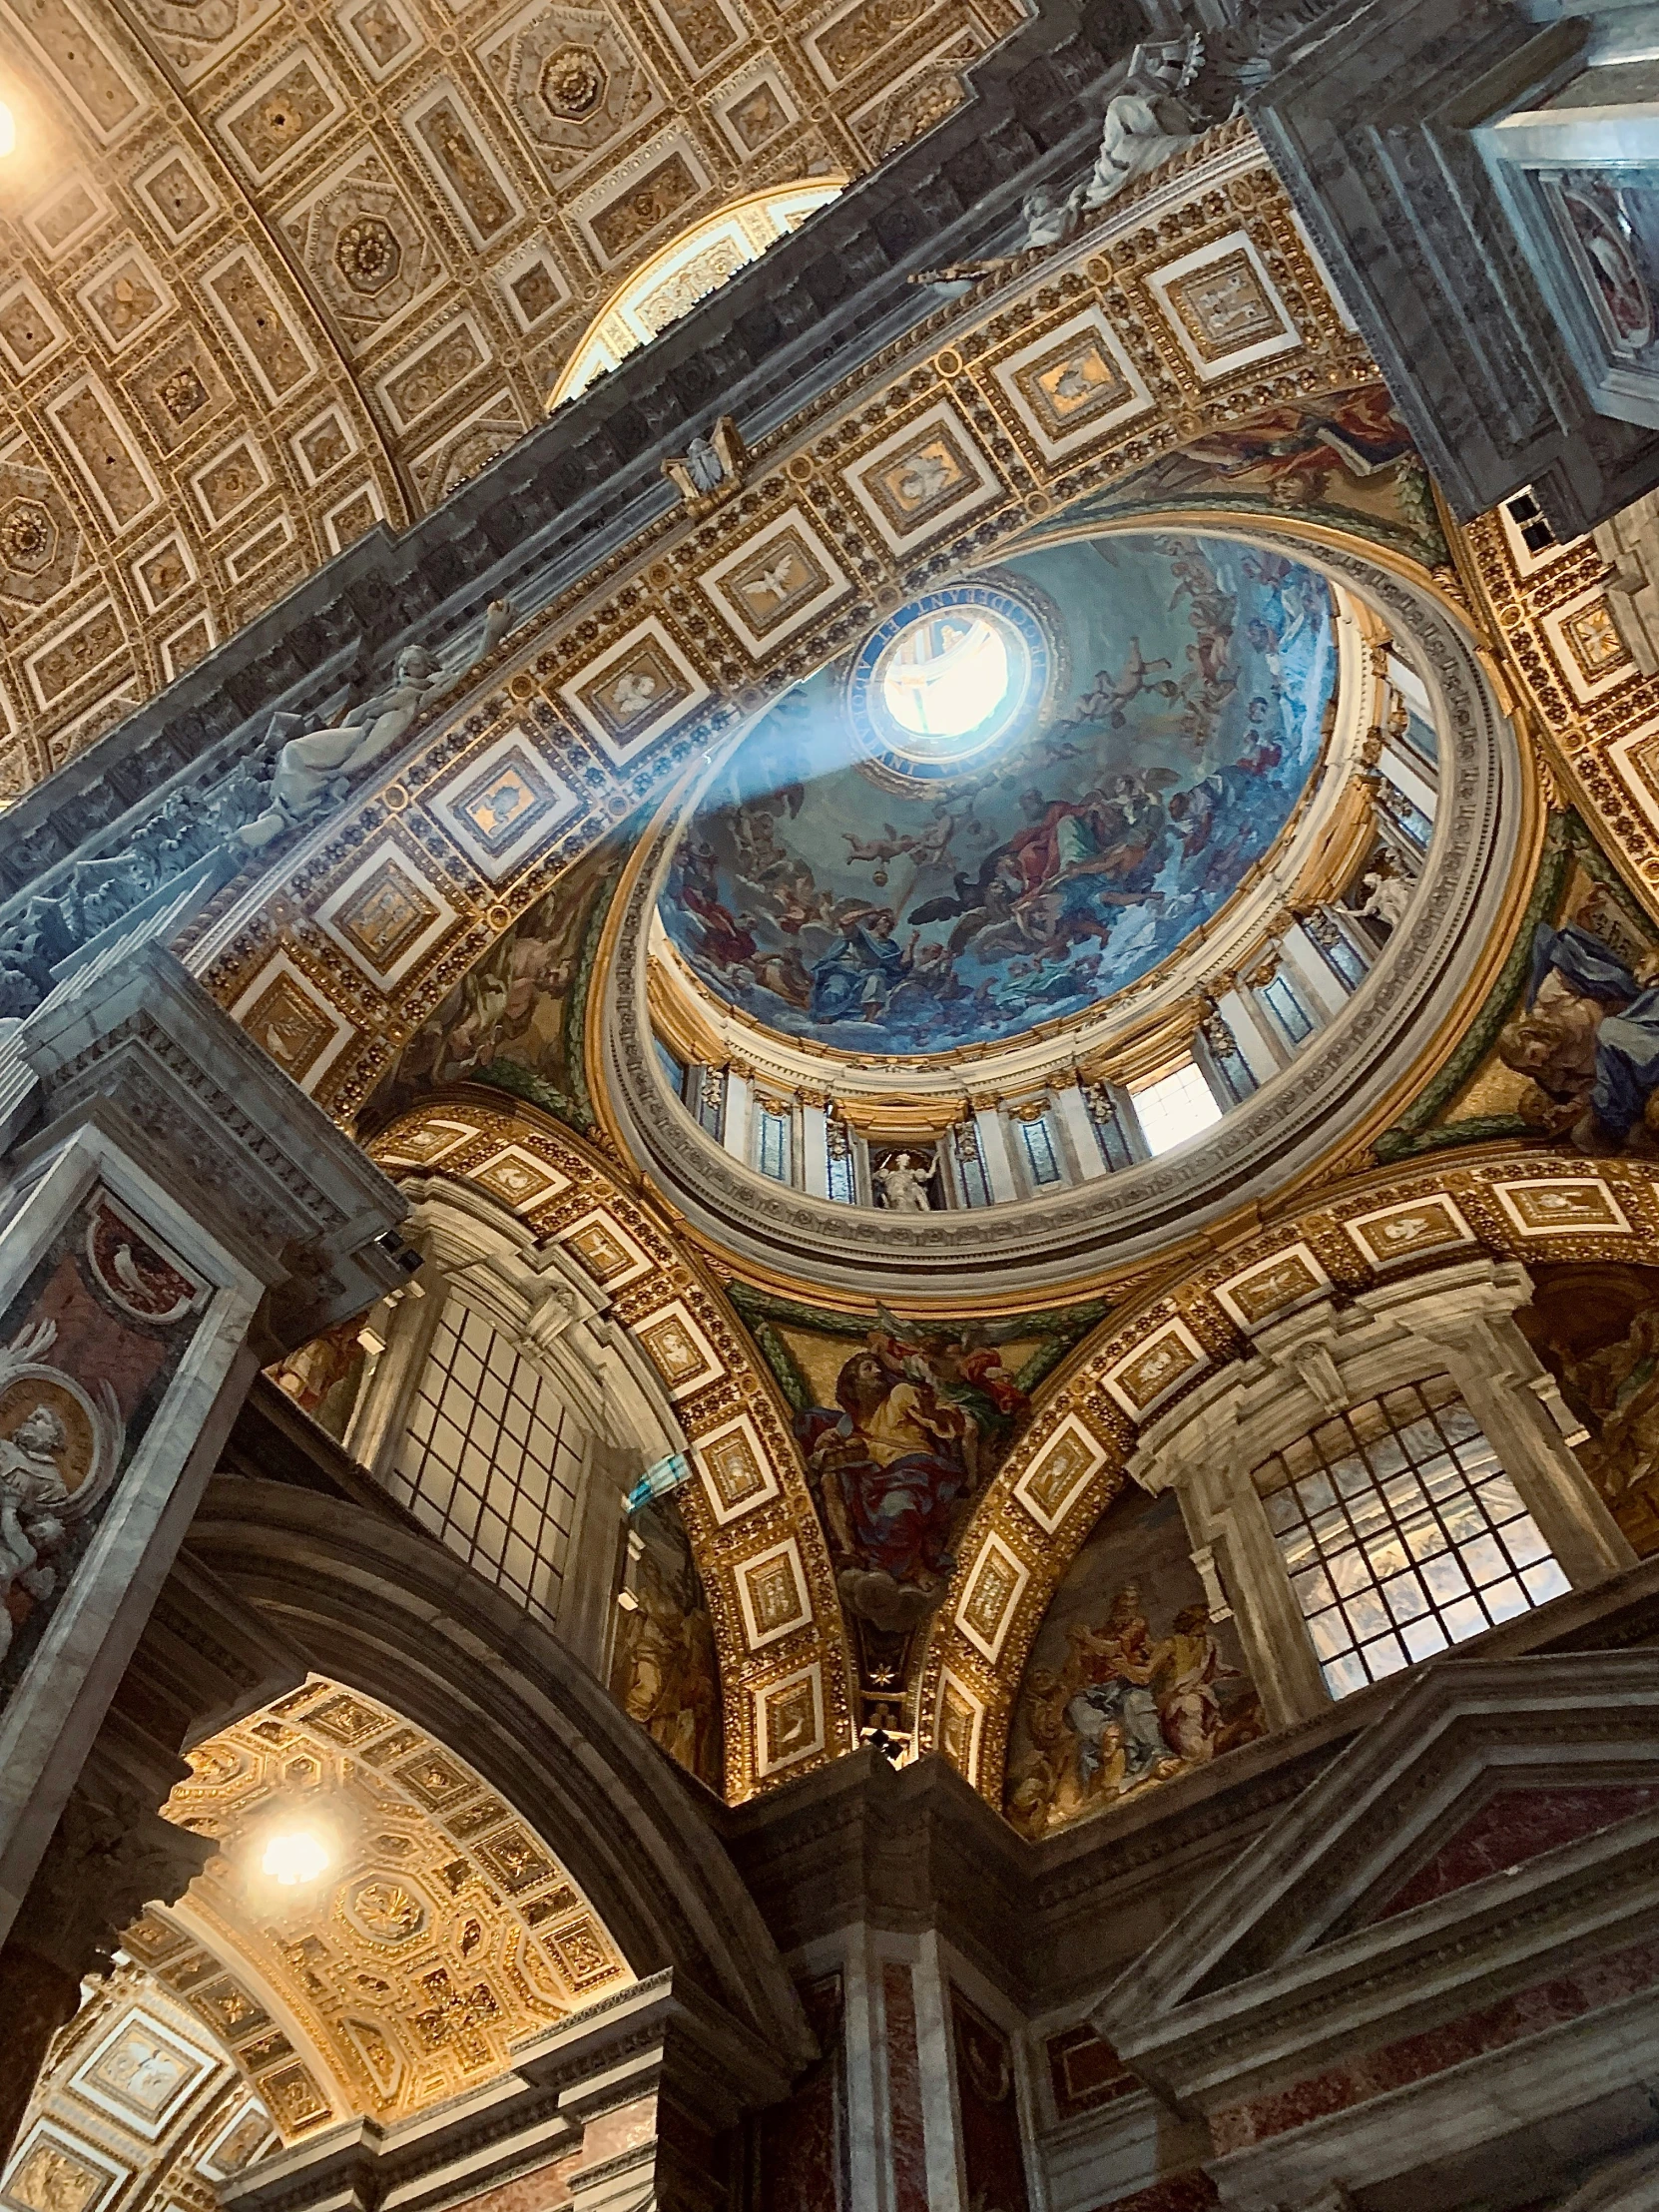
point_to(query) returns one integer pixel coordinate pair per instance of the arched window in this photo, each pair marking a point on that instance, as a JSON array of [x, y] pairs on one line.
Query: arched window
[[1402, 1533], [672, 283]]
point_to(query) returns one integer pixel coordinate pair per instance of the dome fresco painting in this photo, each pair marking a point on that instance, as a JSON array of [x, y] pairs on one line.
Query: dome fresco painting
[[896, 862]]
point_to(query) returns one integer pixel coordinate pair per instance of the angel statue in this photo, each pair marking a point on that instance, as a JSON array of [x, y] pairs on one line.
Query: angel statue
[[1146, 120], [318, 766]]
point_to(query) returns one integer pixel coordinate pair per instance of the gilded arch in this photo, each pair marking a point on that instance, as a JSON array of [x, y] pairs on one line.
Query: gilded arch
[[782, 1647], [1030, 1520]]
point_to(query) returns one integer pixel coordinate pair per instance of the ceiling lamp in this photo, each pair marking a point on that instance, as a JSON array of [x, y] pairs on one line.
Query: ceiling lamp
[[8, 131], [292, 1857]]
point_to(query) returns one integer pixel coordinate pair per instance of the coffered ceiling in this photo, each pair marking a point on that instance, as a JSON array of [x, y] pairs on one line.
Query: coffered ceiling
[[272, 272]]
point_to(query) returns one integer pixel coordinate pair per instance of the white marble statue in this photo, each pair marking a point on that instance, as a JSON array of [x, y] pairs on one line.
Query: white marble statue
[[1145, 121], [1388, 896], [318, 768], [902, 1183]]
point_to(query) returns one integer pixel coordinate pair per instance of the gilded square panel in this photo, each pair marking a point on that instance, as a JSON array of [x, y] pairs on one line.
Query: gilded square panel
[[758, 113], [735, 1469], [1391, 1235], [52, 2171], [162, 573], [354, 517], [1589, 644], [519, 1178], [1073, 384], [995, 1585], [635, 691], [257, 552], [193, 643], [386, 914], [925, 476], [382, 33], [678, 1350], [283, 1011], [534, 285], [139, 2073], [178, 390], [437, 369], [503, 806], [289, 107], [29, 332], [66, 216], [789, 1720], [1562, 1206], [323, 443], [1223, 307], [581, 1955], [1272, 1287], [771, 1592], [75, 655], [1060, 1472], [124, 297], [177, 194], [783, 576], [231, 481], [1144, 1378], [429, 1140], [606, 1249]]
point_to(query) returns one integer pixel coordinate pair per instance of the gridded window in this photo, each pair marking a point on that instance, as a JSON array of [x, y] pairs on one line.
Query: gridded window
[[1341, 955], [1293, 1017], [487, 1463], [1401, 1534], [1176, 1107], [771, 1143], [843, 1169], [975, 1183], [673, 1069], [1042, 1162]]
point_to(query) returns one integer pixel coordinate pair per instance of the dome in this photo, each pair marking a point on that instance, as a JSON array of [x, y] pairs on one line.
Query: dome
[[1019, 795]]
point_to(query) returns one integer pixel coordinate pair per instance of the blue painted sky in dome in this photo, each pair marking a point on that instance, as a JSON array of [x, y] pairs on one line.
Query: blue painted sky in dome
[[1063, 867]]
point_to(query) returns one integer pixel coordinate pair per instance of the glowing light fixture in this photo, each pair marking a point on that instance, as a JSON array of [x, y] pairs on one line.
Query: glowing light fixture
[[1178, 1106], [947, 676], [295, 1856], [8, 131]]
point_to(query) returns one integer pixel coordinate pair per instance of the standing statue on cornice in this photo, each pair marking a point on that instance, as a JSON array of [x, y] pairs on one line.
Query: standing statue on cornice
[[318, 766], [1146, 120]]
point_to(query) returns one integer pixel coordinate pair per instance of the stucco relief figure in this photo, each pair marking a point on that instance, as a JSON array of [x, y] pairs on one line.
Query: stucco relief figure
[[34, 1498], [1145, 119], [1588, 1039], [895, 1461], [317, 769]]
